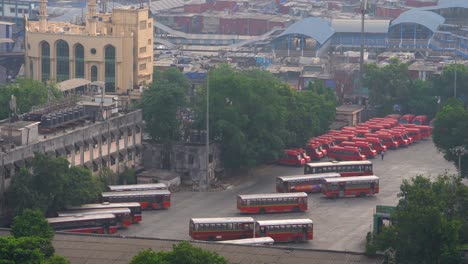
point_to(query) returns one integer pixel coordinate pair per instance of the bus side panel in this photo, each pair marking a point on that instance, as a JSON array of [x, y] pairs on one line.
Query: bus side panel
[[290, 236], [112, 230], [166, 204], [221, 235], [137, 218], [307, 188], [87, 230]]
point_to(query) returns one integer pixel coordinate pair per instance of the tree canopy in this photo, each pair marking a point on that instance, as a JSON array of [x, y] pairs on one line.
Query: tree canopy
[[24, 250], [183, 252], [451, 130], [255, 116], [444, 84], [392, 85], [31, 223], [430, 222], [28, 93], [163, 103], [50, 185]]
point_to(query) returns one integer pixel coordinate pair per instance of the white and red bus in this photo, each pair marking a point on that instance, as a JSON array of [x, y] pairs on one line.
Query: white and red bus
[[122, 215], [98, 223], [255, 241], [153, 199], [221, 228], [302, 183], [135, 208], [286, 230], [137, 187], [272, 202], [350, 186], [345, 168]]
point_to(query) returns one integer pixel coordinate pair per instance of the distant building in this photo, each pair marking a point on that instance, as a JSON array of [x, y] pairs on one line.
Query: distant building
[[16, 9], [115, 48]]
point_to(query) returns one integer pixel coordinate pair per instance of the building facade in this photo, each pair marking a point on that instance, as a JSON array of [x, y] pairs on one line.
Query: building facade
[[114, 143], [115, 48]]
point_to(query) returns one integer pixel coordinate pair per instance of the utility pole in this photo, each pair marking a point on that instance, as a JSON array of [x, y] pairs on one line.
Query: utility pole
[[207, 126], [361, 61], [455, 79]]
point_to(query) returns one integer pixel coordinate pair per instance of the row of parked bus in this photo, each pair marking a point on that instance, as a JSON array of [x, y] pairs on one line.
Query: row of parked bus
[[121, 207], [364, 141], [234, 228]]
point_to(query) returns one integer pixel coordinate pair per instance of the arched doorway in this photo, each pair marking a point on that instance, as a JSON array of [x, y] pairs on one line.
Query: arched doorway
[[109, 68], [63, 61], [45, 61], [79, 61]]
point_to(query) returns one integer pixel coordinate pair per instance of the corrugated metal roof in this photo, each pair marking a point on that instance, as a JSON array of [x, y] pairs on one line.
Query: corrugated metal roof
[[428, 19], [72, 84], [354, 26], [312, 27]]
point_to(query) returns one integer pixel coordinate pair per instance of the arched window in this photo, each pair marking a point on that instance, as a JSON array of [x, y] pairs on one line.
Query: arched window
[[45, 61], [93, 73], [109, 68], [63, 61], [79, 61]]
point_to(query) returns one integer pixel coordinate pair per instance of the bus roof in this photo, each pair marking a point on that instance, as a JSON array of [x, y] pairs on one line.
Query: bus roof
[[285, 222], [218, 220], [309, 176], [250, 241], [104, 205], [355, 178], [335, 163], [150, 186], [62, 219], [271, 195], [135, 193], [95, 211]]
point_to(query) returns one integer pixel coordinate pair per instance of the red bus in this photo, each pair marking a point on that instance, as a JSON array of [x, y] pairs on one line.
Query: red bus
[[122, 215], [322, 145], [406, 119], [333, 132], [272, 202], [303, 154], [345, 153], [426, 131], [137, 187], [393, 116], [386, 139], [98, 223], [344, 168], [313, 150], [420, 120], [222, 228], [339, 138], [286, 230], [365, 148], [414, 133], [135, 208], [356, 186], [398, 136], [404, 133], [153, 199], [374, 142], [302, 183], [291, 157]]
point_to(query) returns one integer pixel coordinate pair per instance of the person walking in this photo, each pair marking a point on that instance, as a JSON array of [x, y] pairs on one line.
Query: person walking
[[382, 154]]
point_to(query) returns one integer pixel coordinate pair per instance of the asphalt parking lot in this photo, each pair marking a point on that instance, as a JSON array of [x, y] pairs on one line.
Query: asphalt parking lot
[[339, 224]]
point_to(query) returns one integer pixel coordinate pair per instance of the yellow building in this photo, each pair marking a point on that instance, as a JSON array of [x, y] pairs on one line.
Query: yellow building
[[115, 48]]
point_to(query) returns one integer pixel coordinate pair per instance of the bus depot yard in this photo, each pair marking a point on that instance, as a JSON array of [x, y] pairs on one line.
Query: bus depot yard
[[338, 224]]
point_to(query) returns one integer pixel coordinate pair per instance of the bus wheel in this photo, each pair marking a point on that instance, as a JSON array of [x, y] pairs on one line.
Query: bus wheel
[[296, 209], [362, 194], [262, 210], [335, 196], [211, 238]]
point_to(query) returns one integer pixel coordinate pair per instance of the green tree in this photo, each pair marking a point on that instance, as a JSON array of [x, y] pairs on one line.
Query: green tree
[[106, 177], [22, 250], [80, 187], [55, 259], [392, 85], [183, 252], [162, 106], [444, 84], [429, 223], [31, 223], [49, 185], [451, 130], [254, 116], [128, 176], [28, 93]]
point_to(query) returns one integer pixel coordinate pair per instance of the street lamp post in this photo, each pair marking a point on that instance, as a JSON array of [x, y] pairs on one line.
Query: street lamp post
[[207, 126], [455, 79]]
